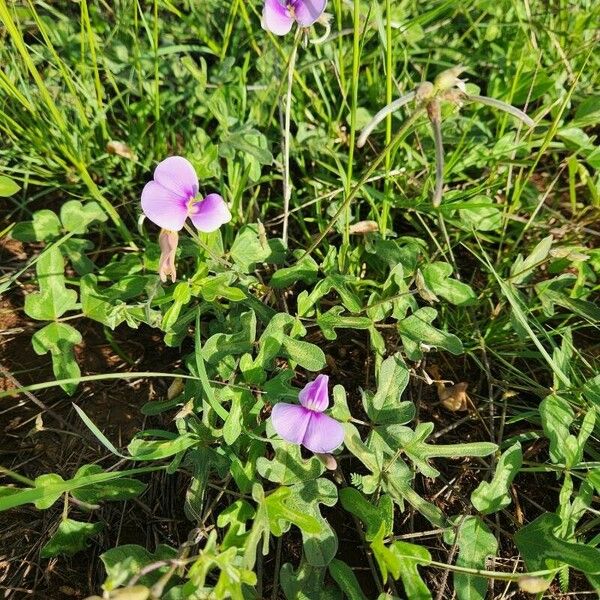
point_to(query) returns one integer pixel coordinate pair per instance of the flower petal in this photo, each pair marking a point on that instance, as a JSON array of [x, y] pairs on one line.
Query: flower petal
[[315, 395], [209, 214], [323, 434], [163, 207], [177, 174], [290, 421], [276, 18], [308, 11]]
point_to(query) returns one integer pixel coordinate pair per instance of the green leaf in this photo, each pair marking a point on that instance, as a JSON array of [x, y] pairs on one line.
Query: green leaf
[[141, 449], [71, 537], [415, 447], [417, 330], [480, 214], [392, 380], [124, 488], [343, 575], [46, 484], [206, 387], [96, 305], [49, 488], [410, 556], [97, 433], [306, 583], [242, 402], [401, 559], [59, 339], [538, 543], [333, 318], [54, 299], [75, 250], [372, 516], [220, 345], [287, 466], [124, 562], [305, 497], [522, 269], [475, 544], [305, 270], [76, 217], [307, 355], [490, 497], [44, 226], [280, 511], [8, 187], [438, 280], [250, 248], [557, 416], [217, 286]]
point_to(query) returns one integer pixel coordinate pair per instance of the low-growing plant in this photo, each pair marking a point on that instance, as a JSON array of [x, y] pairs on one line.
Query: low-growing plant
[[363, 365]]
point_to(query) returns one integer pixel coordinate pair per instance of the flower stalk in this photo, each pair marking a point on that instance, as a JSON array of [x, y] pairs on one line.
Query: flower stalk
[[287, 183], [447, 87]]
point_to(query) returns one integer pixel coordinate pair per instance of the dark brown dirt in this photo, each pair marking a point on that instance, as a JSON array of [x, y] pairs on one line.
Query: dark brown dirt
[[42, 433]]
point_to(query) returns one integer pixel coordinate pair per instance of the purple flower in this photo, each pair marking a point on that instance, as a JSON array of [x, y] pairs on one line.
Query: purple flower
[[305, 423], [279, 15], [171, 198]]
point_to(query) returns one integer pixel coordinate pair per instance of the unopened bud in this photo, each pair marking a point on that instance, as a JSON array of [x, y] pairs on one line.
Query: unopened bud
[[167, 240], [328, 460], [364, 227], [448, 79], [120, 149], [533, 585]]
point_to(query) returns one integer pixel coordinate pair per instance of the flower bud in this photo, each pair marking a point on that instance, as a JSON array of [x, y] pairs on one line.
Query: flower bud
[[448, 79], [533, 585], [167, 240]]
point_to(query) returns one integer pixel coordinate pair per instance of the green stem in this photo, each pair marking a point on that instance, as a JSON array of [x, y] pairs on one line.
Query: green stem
[[156, 78], [388, 121], [287, 184], [353, 107], [436, 127], [17, 477]]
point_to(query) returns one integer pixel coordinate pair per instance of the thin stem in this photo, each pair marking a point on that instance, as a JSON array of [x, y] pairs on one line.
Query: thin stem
[[353, 108], [436, 126], [287, 184], [388, 122], [508, 108], [17, 477], [354, 191], [156, 72], [382, 114]]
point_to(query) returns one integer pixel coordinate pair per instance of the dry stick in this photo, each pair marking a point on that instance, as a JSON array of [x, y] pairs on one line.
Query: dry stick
[[287, 186], [354, 191]]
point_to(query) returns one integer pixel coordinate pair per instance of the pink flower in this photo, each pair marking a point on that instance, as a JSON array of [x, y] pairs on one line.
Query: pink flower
[[167, 240], [172, 197], [279, 15], [306, 424]]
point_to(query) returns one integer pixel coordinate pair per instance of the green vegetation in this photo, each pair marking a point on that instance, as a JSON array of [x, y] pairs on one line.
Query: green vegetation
[[445, 275]]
